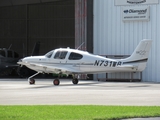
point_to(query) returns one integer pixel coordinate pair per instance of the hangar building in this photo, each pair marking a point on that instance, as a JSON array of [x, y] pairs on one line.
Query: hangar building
[[119, 25]]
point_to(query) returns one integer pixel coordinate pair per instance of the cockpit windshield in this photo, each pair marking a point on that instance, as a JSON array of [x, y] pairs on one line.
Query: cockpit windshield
[[49, 54]]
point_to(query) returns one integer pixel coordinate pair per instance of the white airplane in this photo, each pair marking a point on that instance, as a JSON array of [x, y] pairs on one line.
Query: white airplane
[[75, 62]]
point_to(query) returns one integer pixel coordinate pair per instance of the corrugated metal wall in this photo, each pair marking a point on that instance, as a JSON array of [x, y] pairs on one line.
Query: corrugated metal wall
[[13, 27], [22, 2], [84, 24], [81, 23], [112, 36], [53, 24]]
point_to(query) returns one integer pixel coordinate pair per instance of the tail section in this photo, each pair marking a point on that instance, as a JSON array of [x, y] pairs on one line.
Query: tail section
[[140, 55]]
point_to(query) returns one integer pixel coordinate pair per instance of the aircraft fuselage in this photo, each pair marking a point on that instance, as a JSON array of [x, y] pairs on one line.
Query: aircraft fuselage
[[81, 62]]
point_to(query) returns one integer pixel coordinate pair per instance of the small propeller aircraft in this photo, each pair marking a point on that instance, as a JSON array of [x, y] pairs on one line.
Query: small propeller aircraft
[[75, 62], [8, 61]]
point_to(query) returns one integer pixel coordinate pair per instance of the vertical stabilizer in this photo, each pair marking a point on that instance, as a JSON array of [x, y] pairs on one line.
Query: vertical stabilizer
[[140, 54]]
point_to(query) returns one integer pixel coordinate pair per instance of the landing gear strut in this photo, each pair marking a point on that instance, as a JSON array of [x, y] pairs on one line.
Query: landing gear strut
[[31, 81], [55, 81]]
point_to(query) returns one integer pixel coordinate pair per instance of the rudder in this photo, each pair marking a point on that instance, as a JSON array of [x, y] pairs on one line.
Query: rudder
[[142, 50], [140, 54]]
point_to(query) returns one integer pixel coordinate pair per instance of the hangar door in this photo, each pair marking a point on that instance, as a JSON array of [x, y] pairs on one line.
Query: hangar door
[[52, 24]]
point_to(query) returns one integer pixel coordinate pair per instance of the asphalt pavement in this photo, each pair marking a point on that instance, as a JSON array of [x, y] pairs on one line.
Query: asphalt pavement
[[18, 92]]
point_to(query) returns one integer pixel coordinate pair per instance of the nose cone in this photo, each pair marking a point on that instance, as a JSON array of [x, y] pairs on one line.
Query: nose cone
[[33, 58], [24, 61], [20, 61]]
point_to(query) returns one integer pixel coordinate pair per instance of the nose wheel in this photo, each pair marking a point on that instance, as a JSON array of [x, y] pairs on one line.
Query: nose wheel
[[56, 81], [31, 81], [75, 81]]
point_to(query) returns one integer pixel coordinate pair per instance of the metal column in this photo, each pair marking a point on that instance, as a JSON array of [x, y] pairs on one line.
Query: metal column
[[81, 23]]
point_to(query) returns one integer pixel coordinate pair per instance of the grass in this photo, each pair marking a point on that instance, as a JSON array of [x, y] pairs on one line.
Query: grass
[[76, 112]]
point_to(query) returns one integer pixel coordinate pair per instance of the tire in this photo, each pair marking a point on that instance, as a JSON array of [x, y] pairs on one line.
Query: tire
[[75, 81], [31, 81], [56, 82]]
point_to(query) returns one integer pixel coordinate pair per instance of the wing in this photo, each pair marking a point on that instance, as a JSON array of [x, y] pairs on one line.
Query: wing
[[66, 70], [52, 69]]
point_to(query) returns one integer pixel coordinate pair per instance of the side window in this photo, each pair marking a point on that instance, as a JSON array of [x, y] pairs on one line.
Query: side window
[[75, 56], [60, 55]]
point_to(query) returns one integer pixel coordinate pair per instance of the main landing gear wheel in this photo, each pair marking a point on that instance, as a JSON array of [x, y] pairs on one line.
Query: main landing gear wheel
[[56, 82], [31, 81], [75, 81]]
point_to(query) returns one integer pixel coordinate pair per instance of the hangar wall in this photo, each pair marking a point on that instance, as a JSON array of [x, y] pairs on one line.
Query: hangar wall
[[112, 36], [84, 24], [51, 23], [12, 27]]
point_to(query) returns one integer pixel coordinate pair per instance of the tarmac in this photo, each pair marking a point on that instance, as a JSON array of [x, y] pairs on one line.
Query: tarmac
[[18, 92]]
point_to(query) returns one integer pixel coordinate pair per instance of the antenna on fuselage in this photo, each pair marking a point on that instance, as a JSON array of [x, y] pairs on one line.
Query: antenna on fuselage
[[80, 45]]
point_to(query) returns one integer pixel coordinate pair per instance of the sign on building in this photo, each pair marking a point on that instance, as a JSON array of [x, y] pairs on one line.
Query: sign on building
[[135, 2], [141, 13]]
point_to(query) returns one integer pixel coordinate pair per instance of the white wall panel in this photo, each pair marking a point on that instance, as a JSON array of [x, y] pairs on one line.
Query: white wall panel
[[112, 36]]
